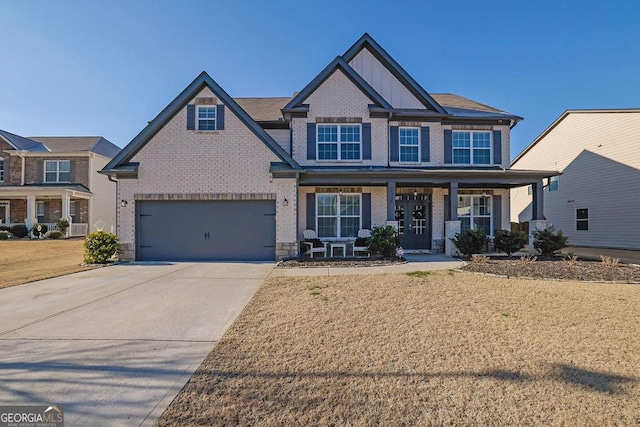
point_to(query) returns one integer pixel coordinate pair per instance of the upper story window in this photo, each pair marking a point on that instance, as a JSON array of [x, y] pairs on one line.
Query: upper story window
[[338, 215], [1, 169], [206, 117], [409, 145], [339, 142], [472, 148], [57, 171]]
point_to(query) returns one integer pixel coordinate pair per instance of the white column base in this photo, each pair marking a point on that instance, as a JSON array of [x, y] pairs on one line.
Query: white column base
[[451, 228], [535, 224]]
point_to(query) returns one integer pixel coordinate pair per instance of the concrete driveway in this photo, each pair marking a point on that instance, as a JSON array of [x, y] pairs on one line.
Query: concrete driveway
[[115, 345]]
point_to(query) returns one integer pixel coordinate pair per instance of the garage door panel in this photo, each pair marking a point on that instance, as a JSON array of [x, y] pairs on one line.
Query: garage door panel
[[206, 230]]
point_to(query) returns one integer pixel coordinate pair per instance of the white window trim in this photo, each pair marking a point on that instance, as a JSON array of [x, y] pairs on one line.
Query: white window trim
[[2, 169], [400, 145], [471, 163], [337, 215], [339, 159], [215, 119], [472, 216], [7, 205], [57, 171], [582, 220]]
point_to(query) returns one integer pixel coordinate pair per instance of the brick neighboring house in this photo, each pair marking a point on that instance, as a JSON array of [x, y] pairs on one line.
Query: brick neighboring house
[[43, 179], [363, 144]]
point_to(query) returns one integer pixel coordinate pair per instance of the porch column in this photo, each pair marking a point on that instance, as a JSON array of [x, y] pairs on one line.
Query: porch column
[[451, 224], [32, 217], [66, 207], [537, 205], [391, 201]]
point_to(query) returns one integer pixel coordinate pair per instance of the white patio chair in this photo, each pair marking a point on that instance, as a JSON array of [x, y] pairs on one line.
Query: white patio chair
[[311, 243], [359, 245]]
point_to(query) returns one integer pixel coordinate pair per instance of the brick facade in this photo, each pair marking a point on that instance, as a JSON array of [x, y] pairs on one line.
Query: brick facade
[[34, 169]]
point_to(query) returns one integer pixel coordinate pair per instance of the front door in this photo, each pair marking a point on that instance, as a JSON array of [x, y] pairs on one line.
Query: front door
[[413, 214]]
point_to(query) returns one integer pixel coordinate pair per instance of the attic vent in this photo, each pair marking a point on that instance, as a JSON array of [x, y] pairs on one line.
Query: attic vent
[[472, 127], [205, 101]]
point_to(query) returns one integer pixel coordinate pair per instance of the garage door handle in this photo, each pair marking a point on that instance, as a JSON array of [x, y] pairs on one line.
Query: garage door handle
[[207, 236]]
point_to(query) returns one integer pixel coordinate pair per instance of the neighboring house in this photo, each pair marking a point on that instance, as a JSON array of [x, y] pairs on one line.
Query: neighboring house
[[595, 200], [363, 144], [43, 179]]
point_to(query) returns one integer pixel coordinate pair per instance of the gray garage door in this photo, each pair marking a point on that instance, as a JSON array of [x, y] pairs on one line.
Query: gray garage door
[[205, 230]]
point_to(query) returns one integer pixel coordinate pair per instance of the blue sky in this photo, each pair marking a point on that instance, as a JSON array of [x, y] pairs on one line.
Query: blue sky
[[107, 67]]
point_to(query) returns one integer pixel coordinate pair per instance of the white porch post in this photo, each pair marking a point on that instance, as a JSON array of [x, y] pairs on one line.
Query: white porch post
[[32, 217], [66, 207]]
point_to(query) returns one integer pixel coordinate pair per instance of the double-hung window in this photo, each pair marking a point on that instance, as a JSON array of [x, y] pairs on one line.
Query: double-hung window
[[475, 212], [40, 212], [409, 145], [338, 215], [1, 169], [582, 219], [206, 117], [471, 148], [339, 142], [57, 171], [553, 183]]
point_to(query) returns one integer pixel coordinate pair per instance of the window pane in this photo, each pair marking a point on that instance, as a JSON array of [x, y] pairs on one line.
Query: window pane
[[206, 112], [483, 223], [481, 156], [408, 154], [349, 133], [206, 125], [51, 166], [461, 139], [64, 166], [327, 151], [350, 151], [327, 133], [582, 225], [51, 177], [462, 156], [582, 213], [553, 184], [64, 177], [481, 139], [40, 209], [327, 204], [482, 206], [1, 169], [327, 227], [464, 223], [464, 206], [350, 205], [408, 136], [349, 227]]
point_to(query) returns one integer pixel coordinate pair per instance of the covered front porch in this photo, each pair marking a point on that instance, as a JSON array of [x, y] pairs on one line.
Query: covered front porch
[[31, 205]]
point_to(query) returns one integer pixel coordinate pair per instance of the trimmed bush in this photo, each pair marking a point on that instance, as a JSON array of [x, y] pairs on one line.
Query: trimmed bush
[[384, 241], [62, 225], [43, 230], [509, 241], [4, 235], [19, 231], [469, 241], [5, 228], [99, 247], [53, 234], [547, 242]]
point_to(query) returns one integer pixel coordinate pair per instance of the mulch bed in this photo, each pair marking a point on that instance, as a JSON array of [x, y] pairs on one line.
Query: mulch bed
[[558, 268], [339, 262]]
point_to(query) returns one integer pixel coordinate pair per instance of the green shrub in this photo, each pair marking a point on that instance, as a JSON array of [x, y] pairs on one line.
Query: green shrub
[[62, 225], [19, 231], [4, 235], [547, 242], [509, 241], [384, 241], [99, 247], [53, 234], [43, 230], [470, 241], [5, 228]]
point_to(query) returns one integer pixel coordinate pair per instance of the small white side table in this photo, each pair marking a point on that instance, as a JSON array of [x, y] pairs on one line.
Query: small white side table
[[342, 246]]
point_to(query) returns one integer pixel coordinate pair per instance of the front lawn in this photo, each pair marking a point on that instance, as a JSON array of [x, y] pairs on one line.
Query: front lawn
[[443, 348], [25, 260]]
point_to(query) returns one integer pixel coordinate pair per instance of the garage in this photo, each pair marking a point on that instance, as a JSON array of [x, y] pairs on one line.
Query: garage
[[220, 230]]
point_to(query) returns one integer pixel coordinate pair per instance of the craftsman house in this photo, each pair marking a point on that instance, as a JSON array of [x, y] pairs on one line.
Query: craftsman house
[[363, 144], [43, 179]]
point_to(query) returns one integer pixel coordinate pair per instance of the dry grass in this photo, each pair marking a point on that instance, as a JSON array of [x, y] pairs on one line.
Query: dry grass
[[23, 261], [444, 348]]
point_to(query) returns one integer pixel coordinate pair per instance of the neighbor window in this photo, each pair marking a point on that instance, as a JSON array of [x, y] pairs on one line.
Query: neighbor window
[[1, 169], [57, 171], [475, 212], [338, 215], [553, 183], [72, 211], [582, 219], [40, 212], [409, 145], [473, 148], [206, 117], [339, 142]]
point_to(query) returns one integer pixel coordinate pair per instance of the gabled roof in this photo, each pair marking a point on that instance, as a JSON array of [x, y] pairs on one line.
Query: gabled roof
[[21, 143], [366, 41], [337, 64], [67, 144], [564, 116], [264, 109], [170, 111]]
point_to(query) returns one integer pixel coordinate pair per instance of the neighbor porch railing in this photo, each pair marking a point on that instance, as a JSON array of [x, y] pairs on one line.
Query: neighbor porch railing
[[75, 230]]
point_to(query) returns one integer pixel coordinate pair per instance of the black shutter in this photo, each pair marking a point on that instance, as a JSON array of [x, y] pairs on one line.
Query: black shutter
[[366, 141], [394, 141], [497, 212], [366, 210], [220, 117], [311, 141], [448, 147], [72, 172], [497, 147], [39, 171], [425, 145], [447, 208], [191, 117], [311, 211]]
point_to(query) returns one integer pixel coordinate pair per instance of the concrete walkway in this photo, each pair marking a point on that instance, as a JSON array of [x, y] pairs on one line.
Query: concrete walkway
[[416, 262], [115, 345]]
